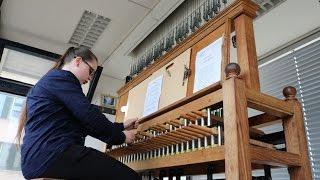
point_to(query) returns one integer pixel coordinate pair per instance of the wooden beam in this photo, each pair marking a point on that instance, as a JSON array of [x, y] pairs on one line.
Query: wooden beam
[[203, 155], [261, 144], [255, 133], [263, 120], [296, 142], [268, 104], [303, 145], [226, 46], [236, 130], [273, 138], [246, 51], [186, 105], [261, 155]]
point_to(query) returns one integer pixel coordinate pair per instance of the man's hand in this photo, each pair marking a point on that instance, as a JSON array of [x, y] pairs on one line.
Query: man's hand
[[131, 123], [130, 135]]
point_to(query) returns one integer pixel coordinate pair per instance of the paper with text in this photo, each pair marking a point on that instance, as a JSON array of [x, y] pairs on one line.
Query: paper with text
[[151, 103], [208, 65]]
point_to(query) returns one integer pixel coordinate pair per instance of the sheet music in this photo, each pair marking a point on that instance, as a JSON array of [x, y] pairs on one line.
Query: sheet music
[[151, 102], [208, 65]]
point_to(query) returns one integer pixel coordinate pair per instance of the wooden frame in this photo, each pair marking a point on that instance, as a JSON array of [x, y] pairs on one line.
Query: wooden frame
[[237, 91], [238, 154], [216, 34]]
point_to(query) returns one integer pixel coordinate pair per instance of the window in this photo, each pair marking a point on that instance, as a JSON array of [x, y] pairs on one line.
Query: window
[[10, 109], [298, 67], [23, 67]]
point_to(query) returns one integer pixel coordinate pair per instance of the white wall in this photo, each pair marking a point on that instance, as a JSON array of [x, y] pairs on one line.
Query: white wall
[[106, 85], [288, 21]]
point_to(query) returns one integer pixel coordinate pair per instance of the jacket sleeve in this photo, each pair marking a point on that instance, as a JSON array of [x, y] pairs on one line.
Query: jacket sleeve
[[69, 93], [109, 141]]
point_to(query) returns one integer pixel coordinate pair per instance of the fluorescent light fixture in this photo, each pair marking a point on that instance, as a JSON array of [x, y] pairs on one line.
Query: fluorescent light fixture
[[89, 29]]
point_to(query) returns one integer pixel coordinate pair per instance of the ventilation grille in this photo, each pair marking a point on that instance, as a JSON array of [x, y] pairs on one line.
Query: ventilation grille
[[267, 5], [89, 29]]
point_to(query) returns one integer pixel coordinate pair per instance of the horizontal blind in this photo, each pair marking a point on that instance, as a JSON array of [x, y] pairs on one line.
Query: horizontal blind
[[299, 68], [307, 61], [274, 76], [278, 74]]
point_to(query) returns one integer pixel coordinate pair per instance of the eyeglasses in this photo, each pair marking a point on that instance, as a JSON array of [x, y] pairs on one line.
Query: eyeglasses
[[91, 70]]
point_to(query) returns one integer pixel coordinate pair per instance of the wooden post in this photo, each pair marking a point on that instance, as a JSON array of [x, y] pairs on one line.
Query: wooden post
[[226, 46], [295, 136], [236, 126], [246, 51]]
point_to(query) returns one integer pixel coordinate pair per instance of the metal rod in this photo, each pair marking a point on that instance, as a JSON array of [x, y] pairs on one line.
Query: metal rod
[[219, 135]]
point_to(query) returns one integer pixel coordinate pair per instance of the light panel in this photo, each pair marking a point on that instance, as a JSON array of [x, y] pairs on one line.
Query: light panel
[[89, 29]]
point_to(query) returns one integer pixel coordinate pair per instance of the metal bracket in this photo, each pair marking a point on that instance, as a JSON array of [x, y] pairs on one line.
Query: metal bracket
[[186, 74], [234, 41]]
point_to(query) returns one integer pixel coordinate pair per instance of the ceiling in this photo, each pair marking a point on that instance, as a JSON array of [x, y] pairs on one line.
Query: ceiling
[[48, 25]]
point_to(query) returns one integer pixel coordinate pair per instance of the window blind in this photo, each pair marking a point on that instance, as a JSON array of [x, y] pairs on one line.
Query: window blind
[[300, 68]]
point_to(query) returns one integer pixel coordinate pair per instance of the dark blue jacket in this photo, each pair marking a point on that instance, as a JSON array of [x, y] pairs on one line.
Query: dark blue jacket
[[59, 115]]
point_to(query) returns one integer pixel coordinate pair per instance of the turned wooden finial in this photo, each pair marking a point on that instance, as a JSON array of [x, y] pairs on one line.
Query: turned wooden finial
[[232, 70], [289, 92]]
